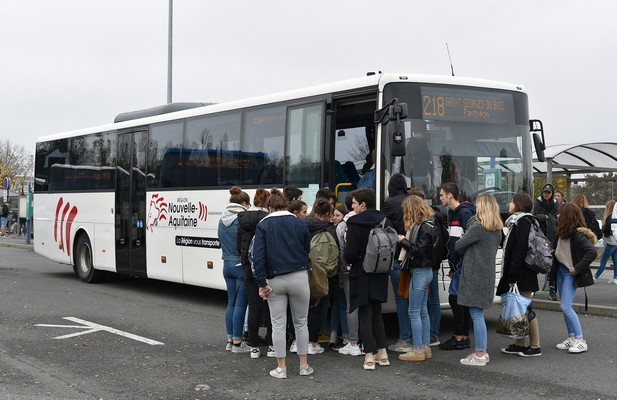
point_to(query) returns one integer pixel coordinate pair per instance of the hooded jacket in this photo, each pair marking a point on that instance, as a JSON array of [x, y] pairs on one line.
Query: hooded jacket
[[363, 287], [315, 225], [393, 207], [546, 212], [583, 253], [227, 231], [457, 225]]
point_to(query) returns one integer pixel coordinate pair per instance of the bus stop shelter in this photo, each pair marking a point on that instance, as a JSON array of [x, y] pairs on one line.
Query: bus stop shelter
[[567, 160]]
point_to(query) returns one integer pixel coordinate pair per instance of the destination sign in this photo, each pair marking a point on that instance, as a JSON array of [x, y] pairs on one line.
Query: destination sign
[[466, 105]]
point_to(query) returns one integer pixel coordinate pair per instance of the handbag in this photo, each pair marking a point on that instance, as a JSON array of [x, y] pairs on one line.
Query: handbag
[[513, 321], [318, 282], [404, 281]]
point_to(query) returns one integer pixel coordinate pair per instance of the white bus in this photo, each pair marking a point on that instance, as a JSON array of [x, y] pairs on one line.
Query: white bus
[[142, 196]]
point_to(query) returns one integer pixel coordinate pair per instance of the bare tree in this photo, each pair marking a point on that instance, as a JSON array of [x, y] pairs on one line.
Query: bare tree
[[15, 163]]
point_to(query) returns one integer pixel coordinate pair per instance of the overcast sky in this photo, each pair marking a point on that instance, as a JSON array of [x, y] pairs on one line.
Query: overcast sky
[[71, 64]]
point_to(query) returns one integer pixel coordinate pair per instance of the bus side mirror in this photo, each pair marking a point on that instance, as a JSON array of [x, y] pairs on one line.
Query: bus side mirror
[[396, 128], [536, 128], [391, 116], [539, 146]]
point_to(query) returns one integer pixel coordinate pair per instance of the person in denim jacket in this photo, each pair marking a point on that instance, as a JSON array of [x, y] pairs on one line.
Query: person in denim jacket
[[280, 258], [233, 272]]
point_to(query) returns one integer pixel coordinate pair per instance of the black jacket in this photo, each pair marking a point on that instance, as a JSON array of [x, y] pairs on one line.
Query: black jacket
[[421, 252], [363, 287], [392, 208], [247, 222], [315, 225], [592, 222], [514, 269]]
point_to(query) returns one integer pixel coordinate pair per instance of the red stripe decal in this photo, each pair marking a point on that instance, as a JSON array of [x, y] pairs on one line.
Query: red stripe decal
[[69, 223], [58, 206], [62, 220]]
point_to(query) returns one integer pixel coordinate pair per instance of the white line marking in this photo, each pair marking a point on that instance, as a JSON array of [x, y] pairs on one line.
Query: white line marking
[[92, 327]]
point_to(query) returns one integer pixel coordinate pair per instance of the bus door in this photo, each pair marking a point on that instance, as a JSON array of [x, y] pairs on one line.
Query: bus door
[[353, 141], [131, 203]]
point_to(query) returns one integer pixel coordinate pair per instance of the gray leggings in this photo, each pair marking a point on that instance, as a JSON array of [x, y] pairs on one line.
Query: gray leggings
[[292, 288], [352, 318]]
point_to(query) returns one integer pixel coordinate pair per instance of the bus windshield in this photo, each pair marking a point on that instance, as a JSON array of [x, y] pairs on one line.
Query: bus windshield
[[477, 138]]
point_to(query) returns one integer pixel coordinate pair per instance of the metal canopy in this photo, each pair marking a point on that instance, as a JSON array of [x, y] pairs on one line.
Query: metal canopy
[[568, 159]]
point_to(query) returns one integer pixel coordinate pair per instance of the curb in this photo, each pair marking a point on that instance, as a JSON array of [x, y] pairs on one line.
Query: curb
[[17, 245], [601, 311]]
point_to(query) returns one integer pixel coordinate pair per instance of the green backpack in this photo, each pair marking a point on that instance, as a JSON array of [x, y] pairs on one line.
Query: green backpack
[[325, 253]]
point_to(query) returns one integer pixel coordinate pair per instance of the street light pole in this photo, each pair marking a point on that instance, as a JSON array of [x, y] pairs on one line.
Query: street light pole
[[170, 49]]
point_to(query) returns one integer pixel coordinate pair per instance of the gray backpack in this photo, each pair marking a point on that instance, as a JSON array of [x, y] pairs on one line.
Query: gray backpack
[[380, 249]]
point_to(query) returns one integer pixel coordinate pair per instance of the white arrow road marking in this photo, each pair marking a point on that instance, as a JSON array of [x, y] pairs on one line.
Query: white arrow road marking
[[92, 327]]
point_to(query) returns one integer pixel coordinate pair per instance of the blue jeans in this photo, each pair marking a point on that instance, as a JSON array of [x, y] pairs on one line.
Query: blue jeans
[[479, 328], [434, 306], [567, 290], [418, 306], [233, 272], [609, 251], [402, 305]]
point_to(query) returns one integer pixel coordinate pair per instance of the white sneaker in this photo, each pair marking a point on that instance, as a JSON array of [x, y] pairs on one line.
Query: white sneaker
[[280, 373], [472, 359], [612, 281], [350, 350], [566, 344], [317, 349], [293, 348], [255, 353], [579, 346], [271, 352], [229, 346], [345, 349], [355, 351]]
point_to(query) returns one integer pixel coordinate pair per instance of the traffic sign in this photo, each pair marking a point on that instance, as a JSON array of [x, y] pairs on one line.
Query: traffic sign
[[6, 183]]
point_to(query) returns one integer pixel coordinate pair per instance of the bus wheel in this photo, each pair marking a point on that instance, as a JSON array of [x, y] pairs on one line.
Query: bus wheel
[[83, 261]]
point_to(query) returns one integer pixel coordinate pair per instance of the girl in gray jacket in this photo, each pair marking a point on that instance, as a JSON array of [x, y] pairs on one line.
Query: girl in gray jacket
[[477, 283]]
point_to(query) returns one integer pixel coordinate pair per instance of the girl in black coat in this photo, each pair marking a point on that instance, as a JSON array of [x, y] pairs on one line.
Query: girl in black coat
[[514, 270], [367, 291]]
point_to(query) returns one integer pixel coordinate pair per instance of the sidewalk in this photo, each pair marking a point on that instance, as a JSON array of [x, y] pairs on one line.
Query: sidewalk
[[16, 241], [602, 296]]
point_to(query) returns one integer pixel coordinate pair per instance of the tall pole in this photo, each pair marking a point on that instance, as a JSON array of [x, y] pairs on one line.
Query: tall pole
[[170, 49]]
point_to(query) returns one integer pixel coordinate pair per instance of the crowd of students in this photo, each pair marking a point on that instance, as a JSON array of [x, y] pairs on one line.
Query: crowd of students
[[266, 248]]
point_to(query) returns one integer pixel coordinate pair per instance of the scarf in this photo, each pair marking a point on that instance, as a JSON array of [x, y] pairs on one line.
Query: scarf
[[513, 219]]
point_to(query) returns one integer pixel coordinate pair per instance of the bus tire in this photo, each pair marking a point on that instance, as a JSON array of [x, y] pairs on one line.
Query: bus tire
[[83, 262]]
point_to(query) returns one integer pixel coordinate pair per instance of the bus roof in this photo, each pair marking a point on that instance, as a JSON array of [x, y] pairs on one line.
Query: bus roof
[[375, 80]]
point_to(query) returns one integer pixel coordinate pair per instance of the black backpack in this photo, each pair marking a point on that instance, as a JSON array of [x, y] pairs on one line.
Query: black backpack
[[5, 211], [441, 235]]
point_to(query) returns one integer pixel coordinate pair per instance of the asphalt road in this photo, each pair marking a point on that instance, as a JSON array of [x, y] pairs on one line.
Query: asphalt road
[[191, 362]]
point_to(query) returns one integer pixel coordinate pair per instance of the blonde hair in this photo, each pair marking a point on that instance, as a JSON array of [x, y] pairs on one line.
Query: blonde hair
[[487, 212], [415, 210], [580, 200], [608, 212]]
